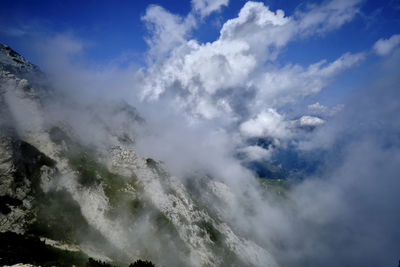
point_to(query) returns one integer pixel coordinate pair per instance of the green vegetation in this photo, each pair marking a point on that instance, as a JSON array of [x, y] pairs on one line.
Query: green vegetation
[[209, 228], [140, 263], [59, 217], [92, 172], [151, 163], [228, 257], [16, 248], [194, 188], [135, 206], [6, 202], [84, 160], [277, 186], [89, 170], [97, 263], [164, 224], [29, 162], [124, 205], [58, 136]]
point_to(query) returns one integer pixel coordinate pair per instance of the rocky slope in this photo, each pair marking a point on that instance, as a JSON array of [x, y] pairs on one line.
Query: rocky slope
[[103, 200]]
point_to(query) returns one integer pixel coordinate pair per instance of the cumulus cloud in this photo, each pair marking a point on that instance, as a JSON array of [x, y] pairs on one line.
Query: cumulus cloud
[[166, 29], [233, 82], [202, 78], [206, 7], [268, 123], [305, 121], [203, 102], [260, 28], [230, 85], [383, 47], [233, 86]]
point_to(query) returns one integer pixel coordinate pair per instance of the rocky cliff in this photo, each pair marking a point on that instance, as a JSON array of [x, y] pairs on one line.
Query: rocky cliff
[[103, 200]]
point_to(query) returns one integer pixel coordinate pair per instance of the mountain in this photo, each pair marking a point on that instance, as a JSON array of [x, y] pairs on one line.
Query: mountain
[[60, 192]]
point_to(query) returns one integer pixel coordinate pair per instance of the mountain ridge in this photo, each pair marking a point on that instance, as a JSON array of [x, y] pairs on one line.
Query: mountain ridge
[[129, 203]]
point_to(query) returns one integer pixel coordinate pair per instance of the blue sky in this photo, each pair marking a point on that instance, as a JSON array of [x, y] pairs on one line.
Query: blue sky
[[144, 34], [116, 27], [212, 76], [242, 69]]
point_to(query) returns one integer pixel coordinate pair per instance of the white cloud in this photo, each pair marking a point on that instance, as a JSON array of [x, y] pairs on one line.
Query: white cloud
[[285, 85], [202, 76], [235, 90], [234, 80], [166, 30], [224, 63], [383, 47], [196, 73], [206, 7], [321, 110], [317, 107], [256, 153], [268, 123], [305, 121], [262, 29], [328, 16]]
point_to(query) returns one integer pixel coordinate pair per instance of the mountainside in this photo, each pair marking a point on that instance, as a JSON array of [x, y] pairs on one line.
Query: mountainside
[[100, 200]]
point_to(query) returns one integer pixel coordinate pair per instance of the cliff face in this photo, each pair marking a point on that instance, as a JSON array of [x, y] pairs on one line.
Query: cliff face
[[21, 164], [105, 200], [13, 62]]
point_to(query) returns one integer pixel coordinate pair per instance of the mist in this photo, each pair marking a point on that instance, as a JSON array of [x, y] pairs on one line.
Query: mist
[[197, 105]]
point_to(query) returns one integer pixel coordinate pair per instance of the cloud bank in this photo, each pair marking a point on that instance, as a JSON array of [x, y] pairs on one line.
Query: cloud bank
[[231, 90], [234, 82], [205, 102]]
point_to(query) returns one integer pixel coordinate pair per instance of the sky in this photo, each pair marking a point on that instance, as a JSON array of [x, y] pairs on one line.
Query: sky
[[114, 28], [222, 84], [116, 31]]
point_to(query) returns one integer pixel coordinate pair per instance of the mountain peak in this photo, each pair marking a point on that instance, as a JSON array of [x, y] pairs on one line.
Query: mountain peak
[[13, 62]]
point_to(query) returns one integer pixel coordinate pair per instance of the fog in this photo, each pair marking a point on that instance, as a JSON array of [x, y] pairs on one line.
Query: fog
[[202, 102]]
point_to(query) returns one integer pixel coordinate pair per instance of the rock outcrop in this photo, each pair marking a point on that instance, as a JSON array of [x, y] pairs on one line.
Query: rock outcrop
[[104, 200]]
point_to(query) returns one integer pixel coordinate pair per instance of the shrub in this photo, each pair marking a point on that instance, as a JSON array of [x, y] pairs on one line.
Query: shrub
[[140, 263]]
